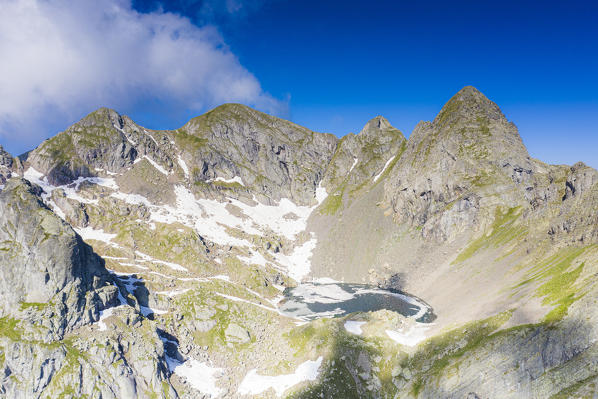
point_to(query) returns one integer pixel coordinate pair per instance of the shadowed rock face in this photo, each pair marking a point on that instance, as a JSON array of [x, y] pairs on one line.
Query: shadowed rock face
[[41, 256], [6, 164]]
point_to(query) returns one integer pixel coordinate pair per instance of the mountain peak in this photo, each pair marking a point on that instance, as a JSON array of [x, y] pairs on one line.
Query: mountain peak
[[101, 117], [376, 125], [469, 103]]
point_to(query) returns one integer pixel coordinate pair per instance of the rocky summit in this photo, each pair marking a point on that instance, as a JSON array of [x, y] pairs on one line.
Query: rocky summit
[[242, 255]]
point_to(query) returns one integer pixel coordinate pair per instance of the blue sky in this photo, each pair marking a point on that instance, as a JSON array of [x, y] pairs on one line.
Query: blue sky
[[333, 65]]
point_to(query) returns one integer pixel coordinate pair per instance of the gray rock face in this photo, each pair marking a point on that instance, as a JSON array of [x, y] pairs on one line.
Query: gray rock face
[[362, 156], [468, 148], [43, 260], [94, 142], [6, 165], [237, 334], [581, 179], [273, 158]]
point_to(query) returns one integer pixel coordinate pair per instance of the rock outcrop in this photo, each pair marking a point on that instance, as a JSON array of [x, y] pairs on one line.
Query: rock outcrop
[[6, 166], [453, 164], [45, 263]]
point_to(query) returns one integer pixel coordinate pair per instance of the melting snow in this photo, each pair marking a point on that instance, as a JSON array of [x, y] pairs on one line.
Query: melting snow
[[255, 259], [173, 293], [237, 299], [104, 314], [235, 179], [383, 169], [133, 199], [156, 165], [352, 166], [325, 293], [198, 374], [354, 327], [71, 192], [173, 266], [183, 166], [254, 383], [89, 233], [410, 336], [298, 263], [211, 219]]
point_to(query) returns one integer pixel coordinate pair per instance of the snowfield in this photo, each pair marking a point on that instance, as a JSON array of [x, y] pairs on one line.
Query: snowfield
[[254, 383], [210, 218]]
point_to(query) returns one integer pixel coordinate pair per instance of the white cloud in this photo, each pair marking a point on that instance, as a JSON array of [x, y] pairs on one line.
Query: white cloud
[[61, 59]]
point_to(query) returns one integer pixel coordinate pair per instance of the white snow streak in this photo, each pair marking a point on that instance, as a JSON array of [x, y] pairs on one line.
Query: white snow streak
[[383, 169], [183, 166], [353, 166], [156, 165], [235, 179]]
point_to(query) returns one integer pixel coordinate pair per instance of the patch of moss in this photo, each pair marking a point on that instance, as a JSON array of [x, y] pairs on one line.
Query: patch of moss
[[33, 305], [444, 350], [504, 229], [228, 185], [9, 329], [189, 141], [570, 391], [333, 203], [559, 287]]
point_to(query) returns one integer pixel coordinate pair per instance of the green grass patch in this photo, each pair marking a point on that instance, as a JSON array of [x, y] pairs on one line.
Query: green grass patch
[[33, 305], [9, 329], [504, 230], [333, 203]]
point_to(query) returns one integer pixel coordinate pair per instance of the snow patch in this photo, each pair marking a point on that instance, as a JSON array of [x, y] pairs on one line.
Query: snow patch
[[173, 293], [410, 336], [183, 166], [237, 299], [89, 233], [133, 199], [173, 266], [199, 375], [70, 190], [104, 314], [354, 327], [254, 259], [298, 263], [254, 383], [235, 179]]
